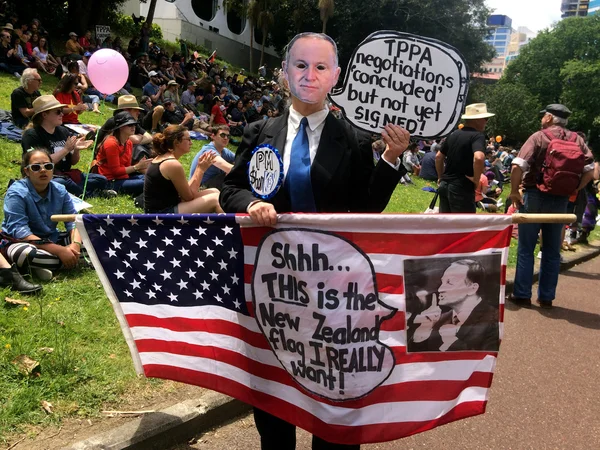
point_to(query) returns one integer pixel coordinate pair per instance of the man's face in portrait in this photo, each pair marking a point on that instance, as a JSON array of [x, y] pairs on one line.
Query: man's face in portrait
[[311, 70], [455, 287]]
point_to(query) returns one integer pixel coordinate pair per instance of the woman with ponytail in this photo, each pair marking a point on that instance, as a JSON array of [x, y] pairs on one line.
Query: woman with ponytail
[[166, 189]]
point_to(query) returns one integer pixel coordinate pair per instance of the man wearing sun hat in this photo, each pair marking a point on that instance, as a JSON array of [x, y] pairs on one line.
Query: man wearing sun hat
[[464, 155], [141, 138]]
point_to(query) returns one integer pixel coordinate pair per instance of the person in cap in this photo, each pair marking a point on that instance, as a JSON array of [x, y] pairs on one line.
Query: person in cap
[[154, 89], [114, 157], [464, 155], [527, 171], [326, 169], [141, 139], [47, 131], [189, 96], [39, 246], [216, 113], [21, 99], [175, 114], [72, 48]]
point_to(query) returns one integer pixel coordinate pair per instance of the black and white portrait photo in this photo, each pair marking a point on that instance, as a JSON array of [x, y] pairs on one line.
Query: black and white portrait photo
[[452, 303]]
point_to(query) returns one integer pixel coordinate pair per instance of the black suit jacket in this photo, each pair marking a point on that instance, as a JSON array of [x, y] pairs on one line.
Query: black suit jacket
[[479, 332], [342, 174]]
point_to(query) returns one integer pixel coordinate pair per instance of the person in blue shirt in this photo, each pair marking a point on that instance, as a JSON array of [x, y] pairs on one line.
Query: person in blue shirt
[[214, 175], [428, 170], [29, 203]]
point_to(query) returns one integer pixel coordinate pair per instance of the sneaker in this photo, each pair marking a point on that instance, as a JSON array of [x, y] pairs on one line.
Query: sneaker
[[546, 304], [522, 302], [42, 274], [539, 255]]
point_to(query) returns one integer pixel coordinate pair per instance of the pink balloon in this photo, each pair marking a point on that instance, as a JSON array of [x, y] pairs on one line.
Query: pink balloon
[[108, 70]]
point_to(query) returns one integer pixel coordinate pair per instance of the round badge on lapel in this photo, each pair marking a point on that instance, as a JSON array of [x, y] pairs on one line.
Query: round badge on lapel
[[265, 171]]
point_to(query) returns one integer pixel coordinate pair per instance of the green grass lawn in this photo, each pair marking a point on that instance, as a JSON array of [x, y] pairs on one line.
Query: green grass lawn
[[90, 367]]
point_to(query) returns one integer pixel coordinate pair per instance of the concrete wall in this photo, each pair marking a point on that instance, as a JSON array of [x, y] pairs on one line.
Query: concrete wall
[[179, 20]]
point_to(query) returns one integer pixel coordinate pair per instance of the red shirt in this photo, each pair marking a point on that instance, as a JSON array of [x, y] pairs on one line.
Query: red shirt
[[219, 118], [113, 158], [84, 42], [70, 100]]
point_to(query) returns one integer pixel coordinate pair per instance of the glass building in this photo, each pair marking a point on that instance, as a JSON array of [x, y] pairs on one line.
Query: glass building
[[500, 32], [572, 8]]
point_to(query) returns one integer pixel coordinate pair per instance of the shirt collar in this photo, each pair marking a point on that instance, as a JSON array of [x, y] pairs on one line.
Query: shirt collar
[[35, 195], [467, 308], [314, 120]]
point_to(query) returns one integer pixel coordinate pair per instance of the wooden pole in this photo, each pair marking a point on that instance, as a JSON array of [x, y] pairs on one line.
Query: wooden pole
[[516, 218], [543, 218]]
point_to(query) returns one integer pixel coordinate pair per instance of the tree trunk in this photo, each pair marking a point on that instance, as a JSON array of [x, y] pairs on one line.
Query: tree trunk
[[324, 25], [151, 9], [262, 53], [251, 46]]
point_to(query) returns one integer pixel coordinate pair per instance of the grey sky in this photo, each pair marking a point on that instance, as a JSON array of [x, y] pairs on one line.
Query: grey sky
[[533, 14]]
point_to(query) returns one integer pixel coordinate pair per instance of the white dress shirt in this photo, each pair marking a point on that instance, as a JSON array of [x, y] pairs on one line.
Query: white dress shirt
[[316, 123]]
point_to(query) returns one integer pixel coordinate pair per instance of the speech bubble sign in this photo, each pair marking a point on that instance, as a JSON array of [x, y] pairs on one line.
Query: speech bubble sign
[[316, 301], [418, 83]]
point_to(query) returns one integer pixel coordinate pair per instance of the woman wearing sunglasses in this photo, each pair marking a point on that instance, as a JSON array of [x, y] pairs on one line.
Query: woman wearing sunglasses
[[35, 242], [166, 189], [114, 158], [47, 131]]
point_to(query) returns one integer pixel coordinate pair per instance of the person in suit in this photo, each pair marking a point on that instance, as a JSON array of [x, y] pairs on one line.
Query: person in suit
[[326, 170], [459, 319]]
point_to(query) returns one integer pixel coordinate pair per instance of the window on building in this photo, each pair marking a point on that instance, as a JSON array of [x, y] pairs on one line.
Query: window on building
[[235, 23], [205, 9]]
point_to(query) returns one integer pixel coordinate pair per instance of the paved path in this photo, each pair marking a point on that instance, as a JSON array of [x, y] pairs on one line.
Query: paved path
[[545, 394]]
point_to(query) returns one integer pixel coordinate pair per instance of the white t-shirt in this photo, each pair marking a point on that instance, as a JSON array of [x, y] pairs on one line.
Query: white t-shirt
[[39, 54]]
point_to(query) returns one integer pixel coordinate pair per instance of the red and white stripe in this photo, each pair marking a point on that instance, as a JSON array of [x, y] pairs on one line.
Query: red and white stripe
[[218, 349]]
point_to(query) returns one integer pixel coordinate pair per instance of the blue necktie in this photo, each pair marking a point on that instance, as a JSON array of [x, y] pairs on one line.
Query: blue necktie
[[298, 174]]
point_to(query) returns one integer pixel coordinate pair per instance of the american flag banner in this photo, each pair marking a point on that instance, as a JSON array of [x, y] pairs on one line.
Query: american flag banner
[[359, 328]]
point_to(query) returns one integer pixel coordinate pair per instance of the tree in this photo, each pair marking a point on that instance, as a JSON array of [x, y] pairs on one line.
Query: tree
[[461, 23], [516, 109], [151, 10], [265, 22], [562, 66], [326, 12]]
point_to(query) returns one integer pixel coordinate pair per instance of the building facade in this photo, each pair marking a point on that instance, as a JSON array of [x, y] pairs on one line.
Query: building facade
[[500, 31], [573, 8], [207, 23]]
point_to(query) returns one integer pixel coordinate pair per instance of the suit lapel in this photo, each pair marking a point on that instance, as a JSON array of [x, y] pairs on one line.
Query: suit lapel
[[275, 134], [331, 151]]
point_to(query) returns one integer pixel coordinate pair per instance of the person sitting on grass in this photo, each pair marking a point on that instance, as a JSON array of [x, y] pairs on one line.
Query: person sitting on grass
[[9, 60], [214, 176], [12, 278], [216, 114], [166, 189], [411, 159], [41, 54], [66, 92], [114, 158], [28, 206], [141, 139], [21, 99], [46, 131]]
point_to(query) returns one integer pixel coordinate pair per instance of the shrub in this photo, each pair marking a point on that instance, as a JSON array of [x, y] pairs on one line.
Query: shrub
[[125, 26]]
